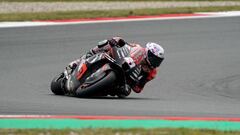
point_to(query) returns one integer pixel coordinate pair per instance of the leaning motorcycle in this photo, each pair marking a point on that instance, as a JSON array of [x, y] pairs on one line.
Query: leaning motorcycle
[[99, 75]]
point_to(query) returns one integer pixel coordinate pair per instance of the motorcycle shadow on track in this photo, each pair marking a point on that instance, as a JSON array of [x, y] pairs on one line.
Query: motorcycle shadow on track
[[127, 98], [108, 97]]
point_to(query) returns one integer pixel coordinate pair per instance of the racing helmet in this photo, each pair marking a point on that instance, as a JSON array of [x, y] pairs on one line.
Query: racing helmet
[[154, 54]]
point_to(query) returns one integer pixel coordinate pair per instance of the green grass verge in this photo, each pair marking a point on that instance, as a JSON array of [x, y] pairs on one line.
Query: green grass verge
[[109, 131], [112, 13], [99, 0]]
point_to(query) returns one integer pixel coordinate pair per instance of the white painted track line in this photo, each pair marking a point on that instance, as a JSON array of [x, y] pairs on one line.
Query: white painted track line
[[147, 18]]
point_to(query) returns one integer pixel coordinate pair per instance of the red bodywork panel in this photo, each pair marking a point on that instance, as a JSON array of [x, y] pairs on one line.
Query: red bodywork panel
[[82, 71]]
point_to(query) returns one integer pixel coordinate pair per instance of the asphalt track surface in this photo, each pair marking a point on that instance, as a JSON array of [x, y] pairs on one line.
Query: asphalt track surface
[[200, 76]]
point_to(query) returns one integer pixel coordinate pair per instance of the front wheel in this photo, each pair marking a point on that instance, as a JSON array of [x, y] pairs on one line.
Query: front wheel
[[56, 84], [101, 85]]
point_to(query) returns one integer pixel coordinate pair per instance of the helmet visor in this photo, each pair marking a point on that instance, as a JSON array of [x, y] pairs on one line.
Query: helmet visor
[[154, 61]]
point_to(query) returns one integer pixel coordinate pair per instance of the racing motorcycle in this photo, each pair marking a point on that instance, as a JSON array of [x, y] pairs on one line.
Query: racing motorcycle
[[99, 75]]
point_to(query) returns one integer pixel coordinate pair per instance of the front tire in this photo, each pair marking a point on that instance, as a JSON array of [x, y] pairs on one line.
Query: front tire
[[99, 86], [56, 84]]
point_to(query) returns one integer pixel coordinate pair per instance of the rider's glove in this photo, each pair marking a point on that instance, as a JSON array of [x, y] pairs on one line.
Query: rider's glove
[[121, 42], [112, 42]]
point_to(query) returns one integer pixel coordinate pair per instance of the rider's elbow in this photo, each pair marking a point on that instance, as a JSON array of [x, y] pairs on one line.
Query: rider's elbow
[[137, 89]]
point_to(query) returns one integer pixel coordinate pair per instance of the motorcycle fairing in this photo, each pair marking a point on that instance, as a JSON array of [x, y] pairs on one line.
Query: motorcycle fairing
[[93, 69], [81, 71], [96, 76], [88, 72]]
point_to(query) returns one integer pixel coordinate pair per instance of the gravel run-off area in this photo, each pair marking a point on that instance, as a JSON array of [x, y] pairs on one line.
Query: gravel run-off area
[[17, 7]]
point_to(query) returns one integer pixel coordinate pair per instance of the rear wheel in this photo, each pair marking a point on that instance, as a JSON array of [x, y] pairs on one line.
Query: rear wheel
[[56, 84], [103, 84]]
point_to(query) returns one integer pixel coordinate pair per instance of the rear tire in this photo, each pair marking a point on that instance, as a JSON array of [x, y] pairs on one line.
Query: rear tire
[[56, 85], [102, 84]]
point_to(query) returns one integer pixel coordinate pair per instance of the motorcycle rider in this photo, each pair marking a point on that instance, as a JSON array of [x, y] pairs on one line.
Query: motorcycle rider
[[146, 61]]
